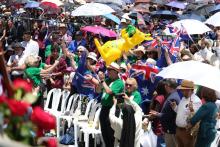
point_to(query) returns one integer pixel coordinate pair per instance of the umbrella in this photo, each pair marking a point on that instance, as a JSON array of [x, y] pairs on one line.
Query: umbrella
[[215, 9], [32, 4], [113, 18], [92, 9], [205, 9], [142, 7], [115, 7], [164, 14], [99, 30], [193, 16], [160, 2], [176, 4], [214, 20], [117, 2], [56, 2], [192, 26], [198, 72]]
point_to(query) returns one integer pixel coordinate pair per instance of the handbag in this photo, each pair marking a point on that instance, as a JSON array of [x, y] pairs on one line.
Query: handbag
[[195, 129], [68, 137]]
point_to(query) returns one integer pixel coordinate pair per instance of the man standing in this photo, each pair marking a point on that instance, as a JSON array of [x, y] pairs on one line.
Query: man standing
[[111, 86], [167, 115], [190, 103], [31, 47]]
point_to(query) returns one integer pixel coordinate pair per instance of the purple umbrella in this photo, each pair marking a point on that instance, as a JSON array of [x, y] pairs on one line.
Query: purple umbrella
[[176, 4]]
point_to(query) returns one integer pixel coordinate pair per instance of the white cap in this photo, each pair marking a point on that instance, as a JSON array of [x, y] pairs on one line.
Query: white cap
[[92, 56], [151, 61]]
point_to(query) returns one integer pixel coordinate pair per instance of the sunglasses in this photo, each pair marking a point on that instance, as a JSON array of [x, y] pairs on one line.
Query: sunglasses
[[128, 85]]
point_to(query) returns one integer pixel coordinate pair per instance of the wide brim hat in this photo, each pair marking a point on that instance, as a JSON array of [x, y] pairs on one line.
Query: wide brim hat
[[140, 49], [18, 45], [114, 66], [186, 85]]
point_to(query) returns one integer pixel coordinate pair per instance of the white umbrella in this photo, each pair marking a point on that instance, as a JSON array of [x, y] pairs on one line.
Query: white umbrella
[[198, 72], [214, 20], [92, 9], [192, 26]]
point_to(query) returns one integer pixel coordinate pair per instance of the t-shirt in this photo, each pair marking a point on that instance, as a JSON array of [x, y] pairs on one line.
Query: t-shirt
[[117, 87], [33, 73], [48, 51], [136, 97]]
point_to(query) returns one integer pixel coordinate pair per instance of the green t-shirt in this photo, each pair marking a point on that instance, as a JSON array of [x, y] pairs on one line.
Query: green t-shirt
[[48, 51], [117, 87], [33, 73], [136, 97], [76, 59]]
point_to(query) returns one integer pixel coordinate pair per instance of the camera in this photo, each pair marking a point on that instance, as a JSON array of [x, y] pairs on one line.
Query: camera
[[119, 98]]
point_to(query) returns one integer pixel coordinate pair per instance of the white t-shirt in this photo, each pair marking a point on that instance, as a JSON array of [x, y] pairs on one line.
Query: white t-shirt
[[16, 58]]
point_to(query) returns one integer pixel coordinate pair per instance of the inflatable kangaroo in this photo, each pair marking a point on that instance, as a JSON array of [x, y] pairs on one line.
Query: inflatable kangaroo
[[112, 50]]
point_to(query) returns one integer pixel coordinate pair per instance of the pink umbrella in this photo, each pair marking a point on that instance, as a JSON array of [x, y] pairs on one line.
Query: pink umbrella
[[99, 30]]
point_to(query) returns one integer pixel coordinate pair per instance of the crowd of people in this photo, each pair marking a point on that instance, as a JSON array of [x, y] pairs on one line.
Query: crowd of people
[[62, 56]]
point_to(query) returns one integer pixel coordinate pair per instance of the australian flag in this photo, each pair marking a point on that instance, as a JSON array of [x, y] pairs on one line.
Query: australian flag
[[161, 62], [145, 76], [82, 85]]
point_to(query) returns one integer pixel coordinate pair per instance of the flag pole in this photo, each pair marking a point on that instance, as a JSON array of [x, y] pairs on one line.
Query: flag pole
[[7, 84]]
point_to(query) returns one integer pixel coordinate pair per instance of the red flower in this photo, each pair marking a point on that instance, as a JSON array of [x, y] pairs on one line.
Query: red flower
[[52, 142], [40, 132], [23, 84], [43, 119], [18, 108], [3, 99]]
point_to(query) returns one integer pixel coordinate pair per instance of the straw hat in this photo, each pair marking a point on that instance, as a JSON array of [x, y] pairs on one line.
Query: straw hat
[[92, 56], [114, 66], [62, 25], [140, 49], [208, 41], [186, 85]]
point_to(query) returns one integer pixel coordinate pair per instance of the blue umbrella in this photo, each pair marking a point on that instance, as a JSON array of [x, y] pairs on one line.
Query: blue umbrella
[[176, 4], [215, 9], [32, 4], [164, 14], [113, 18], [193, 16]]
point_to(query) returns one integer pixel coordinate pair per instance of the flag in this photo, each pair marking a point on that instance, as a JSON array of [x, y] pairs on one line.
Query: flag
[[175, 47], [82, 85], [172, 29], [161, 62], [145, 76], [184, 34]]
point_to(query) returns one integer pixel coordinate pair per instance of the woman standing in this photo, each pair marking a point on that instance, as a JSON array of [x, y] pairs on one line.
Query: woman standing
[[207, 115], [127, 130]]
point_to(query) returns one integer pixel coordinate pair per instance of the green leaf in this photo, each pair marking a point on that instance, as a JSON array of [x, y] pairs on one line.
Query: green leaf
[[25, 131]]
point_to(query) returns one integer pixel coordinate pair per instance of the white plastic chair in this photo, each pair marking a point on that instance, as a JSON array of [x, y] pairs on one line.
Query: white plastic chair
[[87, 130], [56, 93], [65, 95]]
